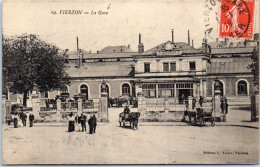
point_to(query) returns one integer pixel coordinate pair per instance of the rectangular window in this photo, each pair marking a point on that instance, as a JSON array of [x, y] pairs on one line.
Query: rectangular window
[[165, 90], [193, 65], [149, 90], [146, 67], [165, 67], [173, 66]]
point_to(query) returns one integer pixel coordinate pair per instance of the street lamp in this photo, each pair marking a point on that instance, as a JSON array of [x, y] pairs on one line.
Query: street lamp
[[217, 84], [139, 83], [103, 86], [8, 86]]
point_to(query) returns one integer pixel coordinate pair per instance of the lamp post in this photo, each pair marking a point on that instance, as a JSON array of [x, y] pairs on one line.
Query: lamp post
[[139, 88], [103, 115], [217, 103], [103, 86], [8, 86], [217, 84]]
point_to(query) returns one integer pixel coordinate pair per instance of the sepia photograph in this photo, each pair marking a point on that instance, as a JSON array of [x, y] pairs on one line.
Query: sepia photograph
[[130, 82]]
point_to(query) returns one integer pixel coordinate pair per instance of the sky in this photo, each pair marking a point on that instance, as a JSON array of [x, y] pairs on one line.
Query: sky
[[154, 19]]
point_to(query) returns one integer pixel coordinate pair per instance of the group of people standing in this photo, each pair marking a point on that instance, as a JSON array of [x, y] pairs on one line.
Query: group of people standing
[[74, 122], [20, 119]]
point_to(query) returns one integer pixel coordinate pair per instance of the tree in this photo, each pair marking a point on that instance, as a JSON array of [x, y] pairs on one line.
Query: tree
[[254, 66], [28, 60]]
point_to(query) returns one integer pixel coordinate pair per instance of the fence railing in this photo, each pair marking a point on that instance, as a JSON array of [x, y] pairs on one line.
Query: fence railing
[[73, 106], [48, 104], [87, 104], [68, 106]]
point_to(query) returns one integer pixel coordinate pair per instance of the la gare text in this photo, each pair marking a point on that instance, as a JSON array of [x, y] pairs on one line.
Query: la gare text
[[80, 12]]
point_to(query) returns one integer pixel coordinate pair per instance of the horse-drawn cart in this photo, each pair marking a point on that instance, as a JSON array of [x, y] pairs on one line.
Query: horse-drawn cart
[[131, 118], [200, 116]]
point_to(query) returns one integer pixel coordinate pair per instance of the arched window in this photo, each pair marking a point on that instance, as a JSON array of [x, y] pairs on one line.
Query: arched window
[[221, 88], [84, 91], [125, 90], [242, 88]]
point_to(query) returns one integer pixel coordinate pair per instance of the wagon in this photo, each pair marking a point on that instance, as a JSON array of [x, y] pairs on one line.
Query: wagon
[[200, 116], [129, 118]]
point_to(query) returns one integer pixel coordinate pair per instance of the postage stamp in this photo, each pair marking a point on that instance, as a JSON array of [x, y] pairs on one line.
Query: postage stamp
[[236, 18]]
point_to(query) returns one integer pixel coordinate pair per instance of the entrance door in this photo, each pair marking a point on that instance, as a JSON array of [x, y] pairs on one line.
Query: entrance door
[[183, 95]]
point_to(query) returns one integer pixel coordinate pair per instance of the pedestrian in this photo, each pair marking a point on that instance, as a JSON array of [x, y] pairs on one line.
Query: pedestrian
[[77, 122], [15, 118], [90, 123], [83, 120], [226, 105], [71, 123], [20, 119], [201, 101], [31, 118], [94, 123], [24, 117], [126, 111]]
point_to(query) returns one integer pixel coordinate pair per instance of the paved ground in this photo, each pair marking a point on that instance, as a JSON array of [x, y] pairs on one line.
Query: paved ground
[[165, 143]]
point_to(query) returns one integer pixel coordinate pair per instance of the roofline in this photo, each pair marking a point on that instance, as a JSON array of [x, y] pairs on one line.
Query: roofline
[[183, 55]]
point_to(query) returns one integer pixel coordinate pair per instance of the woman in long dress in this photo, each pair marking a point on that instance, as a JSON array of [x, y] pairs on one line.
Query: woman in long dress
[[15, 118], [71, 123], [19, 120]]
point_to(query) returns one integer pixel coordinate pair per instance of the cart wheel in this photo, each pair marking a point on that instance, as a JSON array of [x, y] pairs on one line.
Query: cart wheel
[[201, 122], [213, 122], [204, 122]]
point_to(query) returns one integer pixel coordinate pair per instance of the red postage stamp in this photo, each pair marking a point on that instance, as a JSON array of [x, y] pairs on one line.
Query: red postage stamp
[[236, 18]]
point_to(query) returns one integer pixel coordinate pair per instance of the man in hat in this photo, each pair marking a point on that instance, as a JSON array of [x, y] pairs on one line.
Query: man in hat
[[90, 123], [31, 118], [83, 120], [94, 123], [126, 111], [24, 118]]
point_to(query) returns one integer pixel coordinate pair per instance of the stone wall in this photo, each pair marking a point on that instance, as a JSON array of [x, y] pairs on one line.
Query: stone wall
[[163, 112]]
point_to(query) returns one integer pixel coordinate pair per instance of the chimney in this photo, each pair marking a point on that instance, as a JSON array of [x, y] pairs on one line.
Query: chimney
[[172, 35], [188, 37], [192, 43], [204, 46], [140, 46], [82, 55], [78, 51], [140, 38], [205, 37]]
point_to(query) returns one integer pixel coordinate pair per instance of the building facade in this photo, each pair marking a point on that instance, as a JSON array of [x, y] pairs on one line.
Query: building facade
[[172, 70]]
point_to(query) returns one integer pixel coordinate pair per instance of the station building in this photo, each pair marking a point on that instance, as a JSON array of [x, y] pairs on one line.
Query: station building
[[173, 70]]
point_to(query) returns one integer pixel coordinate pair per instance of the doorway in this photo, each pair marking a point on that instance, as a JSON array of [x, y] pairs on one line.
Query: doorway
[[183, 95]]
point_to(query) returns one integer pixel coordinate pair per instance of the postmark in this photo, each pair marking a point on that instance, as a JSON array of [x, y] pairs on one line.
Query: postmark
[[236, 18]]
